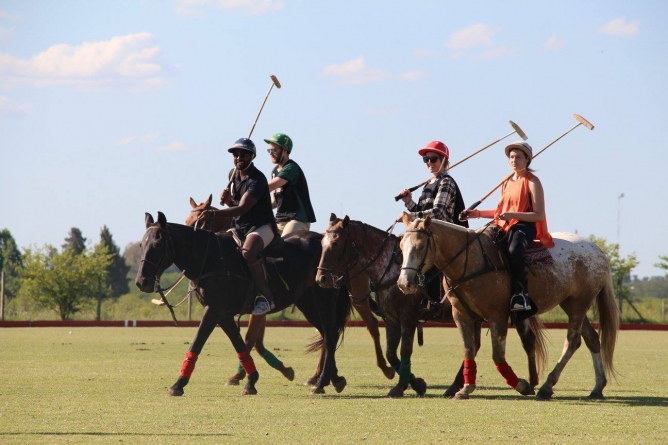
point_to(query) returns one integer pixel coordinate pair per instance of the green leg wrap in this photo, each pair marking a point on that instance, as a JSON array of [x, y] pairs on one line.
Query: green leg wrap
[[405, 371], [240, 370], [271, 359]]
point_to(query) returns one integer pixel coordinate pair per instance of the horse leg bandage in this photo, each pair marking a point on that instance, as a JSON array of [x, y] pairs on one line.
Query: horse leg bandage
[[188, 365], [405, 371], [246, 362], [469, 372], [271, 359], [507, 372]]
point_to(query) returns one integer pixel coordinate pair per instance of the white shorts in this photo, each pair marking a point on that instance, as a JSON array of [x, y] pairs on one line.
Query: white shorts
[[287, 227], [263, 232]]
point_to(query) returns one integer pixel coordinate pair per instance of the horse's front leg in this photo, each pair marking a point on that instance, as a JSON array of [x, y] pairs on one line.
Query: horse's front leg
[[498, 327], [206, 327], [409, 319], [458, 383], [243, 354], [466, 326], [326, 313]]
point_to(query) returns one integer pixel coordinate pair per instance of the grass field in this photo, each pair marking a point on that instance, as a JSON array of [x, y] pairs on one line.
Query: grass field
[[108, 385]]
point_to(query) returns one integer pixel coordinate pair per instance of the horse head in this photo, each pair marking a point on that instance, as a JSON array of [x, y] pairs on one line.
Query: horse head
[[335, 252], [157, 253], [417, 245], [217, 224]]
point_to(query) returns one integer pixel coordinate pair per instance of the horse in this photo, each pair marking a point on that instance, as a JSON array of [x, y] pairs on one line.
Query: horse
[[223, 285], [256, 323], [480, 285], [254, 337], [369, 258]]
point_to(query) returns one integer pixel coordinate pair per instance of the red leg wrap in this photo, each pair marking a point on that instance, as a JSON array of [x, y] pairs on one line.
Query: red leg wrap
[[469, 372], [246, 362], [188, 365], [507, 372]]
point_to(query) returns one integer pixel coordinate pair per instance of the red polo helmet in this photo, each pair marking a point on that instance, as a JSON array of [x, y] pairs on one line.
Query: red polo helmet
[[437, 147]]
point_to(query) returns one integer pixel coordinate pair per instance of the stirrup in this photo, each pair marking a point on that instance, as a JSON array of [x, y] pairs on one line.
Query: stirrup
[[262, 306], [518, 303]]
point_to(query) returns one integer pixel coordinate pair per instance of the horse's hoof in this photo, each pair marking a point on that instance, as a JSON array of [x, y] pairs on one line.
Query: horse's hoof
[[524, 388], [311, 381], [176, 392], [544, 394], [235, 379], [317, 390], [232, 382], [451, 391], [389, 372], [596, 395], [249, 391], [340, 384], [397, 392], [288, 373], [419, 386], [461, 395]]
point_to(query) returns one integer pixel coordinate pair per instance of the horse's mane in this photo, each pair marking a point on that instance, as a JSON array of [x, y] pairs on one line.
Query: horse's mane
[[373, 228], [419, 224]]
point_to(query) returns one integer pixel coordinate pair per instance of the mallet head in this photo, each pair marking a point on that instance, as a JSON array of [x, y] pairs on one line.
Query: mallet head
[[518, 130], [583, 121], [275, 80]]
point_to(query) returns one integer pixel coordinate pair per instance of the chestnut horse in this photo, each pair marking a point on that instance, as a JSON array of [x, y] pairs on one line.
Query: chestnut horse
[[479, 286], [256, 323], [224, 286], [366, 257]]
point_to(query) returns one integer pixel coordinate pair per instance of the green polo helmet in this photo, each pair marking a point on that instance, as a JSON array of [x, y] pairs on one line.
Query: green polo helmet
[[281, 140]]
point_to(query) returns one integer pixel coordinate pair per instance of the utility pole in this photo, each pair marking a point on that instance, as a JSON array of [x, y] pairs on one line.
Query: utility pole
[[621, 280], [2, 296]]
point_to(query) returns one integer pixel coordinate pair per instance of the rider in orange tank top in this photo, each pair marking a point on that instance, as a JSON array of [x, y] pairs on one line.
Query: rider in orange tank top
[[521, 216]]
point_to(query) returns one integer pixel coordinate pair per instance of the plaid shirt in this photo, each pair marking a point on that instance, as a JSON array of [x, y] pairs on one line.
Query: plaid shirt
[[441, 206]]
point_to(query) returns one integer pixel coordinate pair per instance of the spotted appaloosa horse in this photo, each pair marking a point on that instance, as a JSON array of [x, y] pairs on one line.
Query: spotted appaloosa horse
[[479, 285], [224, 286], [365, 257], [256, 323]]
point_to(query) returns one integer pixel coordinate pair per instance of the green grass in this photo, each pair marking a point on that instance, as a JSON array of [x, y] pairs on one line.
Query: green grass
[[108, 385]]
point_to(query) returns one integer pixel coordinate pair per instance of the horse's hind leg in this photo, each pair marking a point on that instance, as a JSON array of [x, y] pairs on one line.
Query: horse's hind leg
[[364, 309], [594, 345], [571, 344], [206, 327], [243, 354], [528, 339], [267, 355]]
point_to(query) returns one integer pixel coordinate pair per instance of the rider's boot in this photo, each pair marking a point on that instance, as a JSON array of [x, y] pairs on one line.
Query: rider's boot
[[265, 302]]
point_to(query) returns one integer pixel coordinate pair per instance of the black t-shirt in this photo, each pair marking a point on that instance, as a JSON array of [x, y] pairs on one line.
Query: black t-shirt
[[292, 198], [261, 213]]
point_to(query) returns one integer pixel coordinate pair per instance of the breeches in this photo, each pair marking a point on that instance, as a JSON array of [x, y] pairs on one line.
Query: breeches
[[520, 237], [287, 227]]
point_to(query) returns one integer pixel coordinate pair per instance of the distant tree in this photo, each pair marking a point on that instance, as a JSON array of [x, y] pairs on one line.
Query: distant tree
[[75, 241], [620, 267], [64, 282], [11, 262], [663, 264], [132, 255], [116, 283]]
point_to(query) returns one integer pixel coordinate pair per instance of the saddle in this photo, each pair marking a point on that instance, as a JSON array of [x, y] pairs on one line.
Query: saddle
[[538, 255]]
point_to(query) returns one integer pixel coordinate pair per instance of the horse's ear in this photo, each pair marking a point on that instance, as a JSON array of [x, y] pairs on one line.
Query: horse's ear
[[346, 220], [207, 203], [148, 219], [332, 217], [162, 220], [193, 204], [427, 222], [405, 219]]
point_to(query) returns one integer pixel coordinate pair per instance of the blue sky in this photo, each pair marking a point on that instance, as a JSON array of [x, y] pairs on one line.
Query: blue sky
[[112, 109]]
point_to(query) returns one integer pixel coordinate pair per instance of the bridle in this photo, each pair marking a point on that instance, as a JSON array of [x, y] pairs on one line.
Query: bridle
[[345, 276], [418, 270], [156, 285]]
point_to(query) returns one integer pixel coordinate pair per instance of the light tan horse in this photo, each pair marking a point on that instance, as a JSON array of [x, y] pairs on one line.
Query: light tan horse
[[479, 285]]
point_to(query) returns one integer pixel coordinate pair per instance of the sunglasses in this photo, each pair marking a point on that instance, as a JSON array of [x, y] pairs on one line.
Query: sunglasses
[[272, 151], [240, 154], [431, 159]]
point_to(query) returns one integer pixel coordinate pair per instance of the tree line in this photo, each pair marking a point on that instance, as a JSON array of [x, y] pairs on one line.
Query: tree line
[[66, 280]]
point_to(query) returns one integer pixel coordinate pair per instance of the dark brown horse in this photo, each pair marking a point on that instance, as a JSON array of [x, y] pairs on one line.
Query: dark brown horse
[[223, 285], [480, 287], [366, 257], [256, 323]]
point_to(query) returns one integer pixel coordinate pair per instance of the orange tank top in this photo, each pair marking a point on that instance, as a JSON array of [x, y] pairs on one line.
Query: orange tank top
[[516, 197]]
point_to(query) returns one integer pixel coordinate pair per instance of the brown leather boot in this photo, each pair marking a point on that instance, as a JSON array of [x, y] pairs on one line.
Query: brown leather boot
[[265, 302]]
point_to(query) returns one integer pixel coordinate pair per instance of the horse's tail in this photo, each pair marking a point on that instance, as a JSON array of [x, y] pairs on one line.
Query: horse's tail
[[608, 325], [540, 342], [344, 308]]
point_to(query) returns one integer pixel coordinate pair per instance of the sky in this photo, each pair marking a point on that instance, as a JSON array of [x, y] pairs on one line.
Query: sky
[[110, 109]]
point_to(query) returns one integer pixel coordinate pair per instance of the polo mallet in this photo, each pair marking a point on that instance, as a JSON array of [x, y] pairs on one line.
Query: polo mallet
[[274, 81], [581, 121], [516, 129]]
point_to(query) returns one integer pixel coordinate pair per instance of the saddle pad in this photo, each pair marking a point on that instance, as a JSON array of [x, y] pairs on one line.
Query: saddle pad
[[538, 255]]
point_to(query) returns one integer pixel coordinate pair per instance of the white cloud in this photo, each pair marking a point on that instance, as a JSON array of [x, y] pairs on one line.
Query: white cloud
[[495, 53], [419, 52], [128, 60], [553, 43], [382, 111], [175, 146], [476, 35], [133, 138], [126, 140], [9, 108], [199, 8], [355, 72], [412, 75], [619, 27]]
